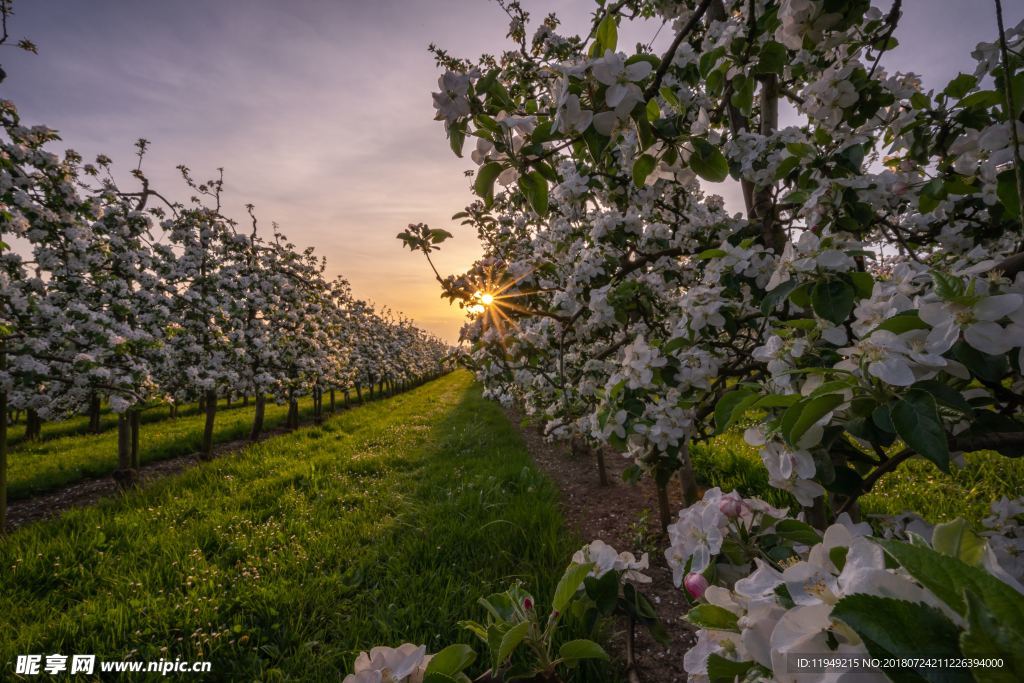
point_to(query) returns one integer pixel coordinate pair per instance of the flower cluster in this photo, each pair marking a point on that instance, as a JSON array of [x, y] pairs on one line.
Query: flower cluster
[[826, 594]]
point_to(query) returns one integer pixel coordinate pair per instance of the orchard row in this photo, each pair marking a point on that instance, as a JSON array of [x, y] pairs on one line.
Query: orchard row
[[123, 297]]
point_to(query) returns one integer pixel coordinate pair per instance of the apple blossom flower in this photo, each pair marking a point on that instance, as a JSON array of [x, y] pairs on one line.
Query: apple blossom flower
[[451, 102], [405, 664], [620, 78], [605, 559]]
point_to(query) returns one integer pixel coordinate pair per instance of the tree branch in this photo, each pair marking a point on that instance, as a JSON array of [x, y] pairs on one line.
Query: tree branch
[[666, 60]]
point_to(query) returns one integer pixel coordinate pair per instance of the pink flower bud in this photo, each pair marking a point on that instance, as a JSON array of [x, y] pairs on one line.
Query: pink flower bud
[[695, 585], [528, 603], [731, 506]]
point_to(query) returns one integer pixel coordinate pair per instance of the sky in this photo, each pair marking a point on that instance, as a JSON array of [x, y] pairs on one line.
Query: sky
[[320, 112]]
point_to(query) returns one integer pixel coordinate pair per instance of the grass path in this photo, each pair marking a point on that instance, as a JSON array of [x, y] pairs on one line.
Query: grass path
[[383, 525]]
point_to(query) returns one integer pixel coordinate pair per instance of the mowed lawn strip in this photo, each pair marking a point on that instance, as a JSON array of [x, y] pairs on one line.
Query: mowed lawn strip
[[384, 525], [53, 463], [79, 424]]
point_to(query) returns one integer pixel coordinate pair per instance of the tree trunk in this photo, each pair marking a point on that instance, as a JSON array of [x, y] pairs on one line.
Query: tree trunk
[[94, 413], [33, 425], [245, 400], [211, 413], [359, 393], [293, 413], [318, 406], [135, 422], [687, 478], [332, 401], [124, 475], [3, 454], [257, 420], [664, 513]]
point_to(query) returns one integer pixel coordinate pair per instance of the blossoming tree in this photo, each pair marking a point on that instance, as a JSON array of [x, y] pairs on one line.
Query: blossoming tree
[[865, 308]]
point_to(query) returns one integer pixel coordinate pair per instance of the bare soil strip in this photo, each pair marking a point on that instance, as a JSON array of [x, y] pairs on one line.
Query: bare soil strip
[[613, 514]]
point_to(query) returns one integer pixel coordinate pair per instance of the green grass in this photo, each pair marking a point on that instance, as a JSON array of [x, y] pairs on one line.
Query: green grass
[[79, 424], [57, 461], [917, 485], [281, 562]]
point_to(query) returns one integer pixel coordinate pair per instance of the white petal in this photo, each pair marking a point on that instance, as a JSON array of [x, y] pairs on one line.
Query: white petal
[[988, 337], [638, 70], [615, 94], [996, 307], [893, 370]]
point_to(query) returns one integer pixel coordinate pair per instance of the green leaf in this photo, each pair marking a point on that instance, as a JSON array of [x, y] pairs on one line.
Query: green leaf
[[475, 628], [797, 531], [945, 395], [437, 235], [436, 677], [535, 187], [731, 408], [726, 670], [786, 166], [603, 591], [483, 186], [982, 365], [451, 660], [643, 167], [743, 94], [957, 540], [708, 60], [960, 86], [510, 641], [607, 34], [708, 162], [653, 110], [903, 322], [494, 635], [776, 296], [987, 638], [570, 582], [838, 556], [917, 421], [863, 284], [898, 628], [1006, 192], [772, 58], [948, 578], [806, 413], [499, 606], [776, 401], [833, 300], [713, 616], [982, 98], [457, 139], [948, 287], [576, 650]]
